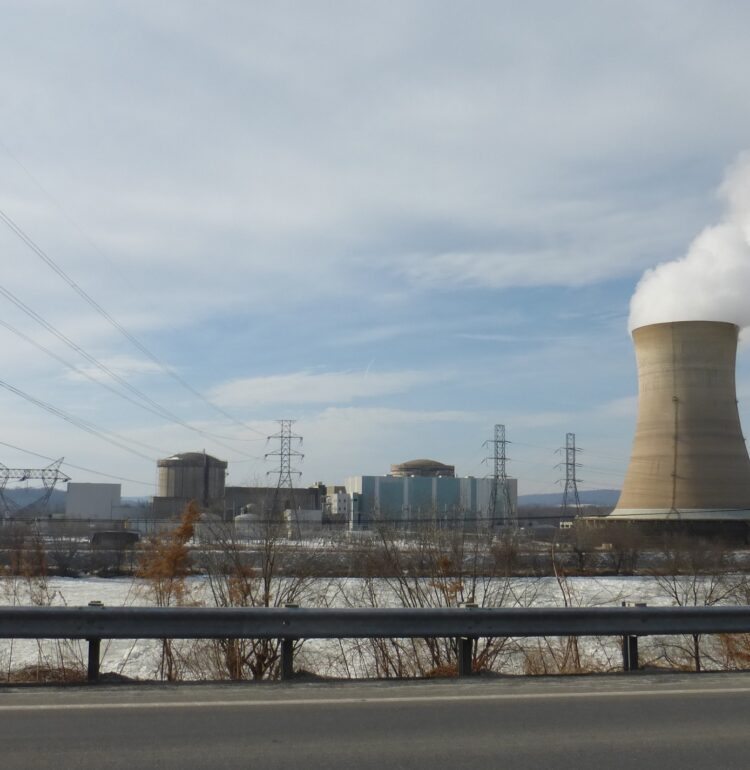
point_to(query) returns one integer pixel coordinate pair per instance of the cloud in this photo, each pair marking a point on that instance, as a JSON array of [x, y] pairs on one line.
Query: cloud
[[712, 281], [308, 387], [269, 148], [619, 408], [256, 191], [383, 417], [127, 367]]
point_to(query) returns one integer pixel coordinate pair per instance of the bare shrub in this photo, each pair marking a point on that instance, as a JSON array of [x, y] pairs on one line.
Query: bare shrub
[[273, 573], [567, 655], [27, 582], [697, 573], [434, 568], [164, 565]]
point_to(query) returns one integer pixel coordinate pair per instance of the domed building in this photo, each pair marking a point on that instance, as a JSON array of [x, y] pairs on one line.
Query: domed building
[[429, 468], [426, 492], [189, 476]]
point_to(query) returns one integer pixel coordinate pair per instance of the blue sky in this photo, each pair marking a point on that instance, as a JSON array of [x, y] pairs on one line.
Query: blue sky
[[397, 223]]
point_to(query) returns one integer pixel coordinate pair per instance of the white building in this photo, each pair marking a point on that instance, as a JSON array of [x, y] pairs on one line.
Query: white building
[[92, 501], [339, 505]]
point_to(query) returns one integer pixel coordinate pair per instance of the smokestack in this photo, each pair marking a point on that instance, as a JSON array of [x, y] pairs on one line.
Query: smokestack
[[689, 459]]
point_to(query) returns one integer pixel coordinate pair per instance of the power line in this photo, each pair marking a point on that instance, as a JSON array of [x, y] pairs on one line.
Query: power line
[[16, 229], [78, 467], [165, 413], [84, 425], [55, 201], [555, 449]]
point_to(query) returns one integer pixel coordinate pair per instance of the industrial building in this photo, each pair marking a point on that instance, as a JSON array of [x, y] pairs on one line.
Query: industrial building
[[339, 505], [689, 462], [239, 500], [416, 492], [426, 498], [93, 501], [189, 476]]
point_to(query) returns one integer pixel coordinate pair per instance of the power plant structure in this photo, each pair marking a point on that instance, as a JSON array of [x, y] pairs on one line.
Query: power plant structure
[[424, 493], [689, 462], [189, 476], [422, 467]]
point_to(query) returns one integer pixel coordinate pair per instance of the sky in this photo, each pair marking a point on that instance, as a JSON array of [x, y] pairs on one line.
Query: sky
[[396, 223]]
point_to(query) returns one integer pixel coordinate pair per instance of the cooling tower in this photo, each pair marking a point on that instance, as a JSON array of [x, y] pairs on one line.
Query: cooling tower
[[689, 460]]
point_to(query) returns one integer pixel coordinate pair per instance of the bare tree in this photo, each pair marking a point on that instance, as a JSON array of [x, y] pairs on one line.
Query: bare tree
[[625, 543]]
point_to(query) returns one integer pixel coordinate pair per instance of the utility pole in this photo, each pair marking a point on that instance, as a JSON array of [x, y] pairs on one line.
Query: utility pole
[[500, 498], [286, 451], [570, 491]]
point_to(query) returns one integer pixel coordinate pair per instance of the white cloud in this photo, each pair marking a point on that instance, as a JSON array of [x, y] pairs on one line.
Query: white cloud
[[382, 417], [281, 178], [127, 367], [307, 387], [619, 408]]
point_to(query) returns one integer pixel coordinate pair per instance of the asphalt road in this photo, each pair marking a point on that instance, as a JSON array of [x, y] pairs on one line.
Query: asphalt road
[[637, 721]]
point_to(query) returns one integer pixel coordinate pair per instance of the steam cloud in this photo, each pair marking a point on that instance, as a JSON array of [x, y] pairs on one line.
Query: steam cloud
[[712, 281]]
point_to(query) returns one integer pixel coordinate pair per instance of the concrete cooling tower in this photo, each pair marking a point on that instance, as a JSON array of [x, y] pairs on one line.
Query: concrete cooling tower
[[689, 461]]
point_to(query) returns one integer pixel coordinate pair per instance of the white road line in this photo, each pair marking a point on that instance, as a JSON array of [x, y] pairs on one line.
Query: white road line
[[370, 700]]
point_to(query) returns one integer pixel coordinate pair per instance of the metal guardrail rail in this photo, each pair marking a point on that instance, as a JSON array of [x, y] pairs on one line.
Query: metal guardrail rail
[[289, 624]]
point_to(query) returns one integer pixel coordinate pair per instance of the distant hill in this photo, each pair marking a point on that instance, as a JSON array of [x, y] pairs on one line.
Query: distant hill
[[603, 497], [22, 496]]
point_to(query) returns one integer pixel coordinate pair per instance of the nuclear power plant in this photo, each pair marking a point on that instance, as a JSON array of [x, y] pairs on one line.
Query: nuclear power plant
[[689, 462], [189, 476]]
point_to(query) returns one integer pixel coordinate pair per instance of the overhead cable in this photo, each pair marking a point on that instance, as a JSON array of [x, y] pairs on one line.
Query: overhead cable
[[78, 467], [159, 412], [115, 323], [109, 436], [165, 413]]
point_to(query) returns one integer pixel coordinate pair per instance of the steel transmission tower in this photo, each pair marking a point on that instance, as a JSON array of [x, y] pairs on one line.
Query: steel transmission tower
[[286, 452], [49, 476], [570, 492], [500, 498]]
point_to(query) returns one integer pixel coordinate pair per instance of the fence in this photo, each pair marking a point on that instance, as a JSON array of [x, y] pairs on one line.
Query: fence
[[288, 624]]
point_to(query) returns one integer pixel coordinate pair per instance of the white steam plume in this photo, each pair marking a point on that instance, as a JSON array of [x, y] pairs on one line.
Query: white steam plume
[[712, 281]]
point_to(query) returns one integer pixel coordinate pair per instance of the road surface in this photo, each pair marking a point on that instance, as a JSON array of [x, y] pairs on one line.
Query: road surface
[[627, 721]]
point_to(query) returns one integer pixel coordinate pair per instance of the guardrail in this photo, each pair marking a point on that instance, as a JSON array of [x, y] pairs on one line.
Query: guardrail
[[288, 624]]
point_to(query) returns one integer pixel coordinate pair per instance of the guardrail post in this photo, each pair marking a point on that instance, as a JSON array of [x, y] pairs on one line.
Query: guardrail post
[[629, 653], [630, 644], [287, 652], [465, 655], [95, 643], [92, 673], [465, 645]]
